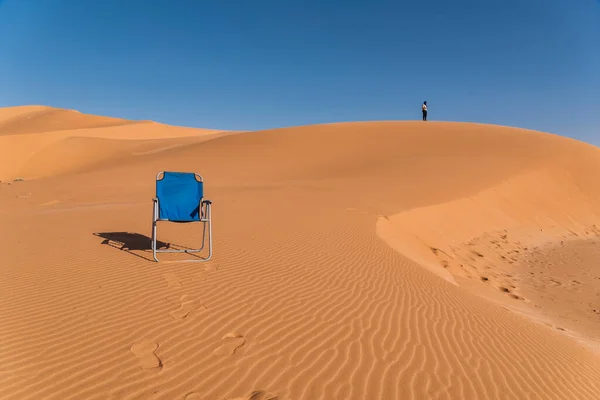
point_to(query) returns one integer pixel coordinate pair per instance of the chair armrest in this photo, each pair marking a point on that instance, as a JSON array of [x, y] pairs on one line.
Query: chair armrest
[[204, 205]]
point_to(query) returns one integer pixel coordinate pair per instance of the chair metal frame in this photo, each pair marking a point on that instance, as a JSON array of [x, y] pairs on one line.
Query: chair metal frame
[[204, 216]]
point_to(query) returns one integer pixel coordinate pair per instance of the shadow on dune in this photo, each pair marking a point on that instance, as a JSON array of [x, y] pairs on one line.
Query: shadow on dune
[[129, 242]]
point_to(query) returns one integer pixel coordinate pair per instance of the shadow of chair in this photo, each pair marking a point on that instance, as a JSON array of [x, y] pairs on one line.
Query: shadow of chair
[[130, 242]]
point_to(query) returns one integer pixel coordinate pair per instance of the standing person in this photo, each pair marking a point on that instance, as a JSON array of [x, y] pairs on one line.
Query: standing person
[[424, 109]]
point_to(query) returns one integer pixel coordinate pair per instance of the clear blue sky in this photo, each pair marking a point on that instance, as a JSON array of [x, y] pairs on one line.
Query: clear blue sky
[[242, 64]]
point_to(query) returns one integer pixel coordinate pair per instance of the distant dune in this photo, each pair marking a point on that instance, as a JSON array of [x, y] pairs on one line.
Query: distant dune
[[33, 119], [366, 260], [38, 141]]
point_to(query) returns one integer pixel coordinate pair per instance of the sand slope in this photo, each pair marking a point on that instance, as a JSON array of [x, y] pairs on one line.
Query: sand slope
[[31, 131], [32, 119], [324, 284]]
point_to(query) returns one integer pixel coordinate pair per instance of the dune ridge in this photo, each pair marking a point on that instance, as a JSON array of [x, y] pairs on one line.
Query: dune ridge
[[324, 284], [25, 132], [34, 119]]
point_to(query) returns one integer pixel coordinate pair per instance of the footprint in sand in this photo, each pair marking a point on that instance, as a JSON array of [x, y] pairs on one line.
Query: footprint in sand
[[208, 270], [211, 268], [177, 299], [255, 395], [229, 344], [188, 304], [258, 395], [172, 280], [145, 352]]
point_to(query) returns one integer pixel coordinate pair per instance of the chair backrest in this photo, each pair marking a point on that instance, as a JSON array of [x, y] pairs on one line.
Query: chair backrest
[[179, 195]]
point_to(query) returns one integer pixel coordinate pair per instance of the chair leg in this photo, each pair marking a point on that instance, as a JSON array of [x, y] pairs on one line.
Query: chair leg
[[205, 231], [203, 235], [154, 218], [210, 241]]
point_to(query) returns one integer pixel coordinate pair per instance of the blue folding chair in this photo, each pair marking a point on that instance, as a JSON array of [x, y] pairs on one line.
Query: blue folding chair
[[180, 198]]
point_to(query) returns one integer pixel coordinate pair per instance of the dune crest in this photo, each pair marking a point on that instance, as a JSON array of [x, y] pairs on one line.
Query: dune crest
[[35, 119], [34, 140]]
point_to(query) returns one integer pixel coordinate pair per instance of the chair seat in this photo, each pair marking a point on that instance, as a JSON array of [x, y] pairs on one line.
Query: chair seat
[[177, 215]]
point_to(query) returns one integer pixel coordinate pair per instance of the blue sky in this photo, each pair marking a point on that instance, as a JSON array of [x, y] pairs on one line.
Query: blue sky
[[260, 64]]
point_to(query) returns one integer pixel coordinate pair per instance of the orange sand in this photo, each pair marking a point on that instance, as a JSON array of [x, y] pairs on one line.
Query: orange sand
[[379, 260]]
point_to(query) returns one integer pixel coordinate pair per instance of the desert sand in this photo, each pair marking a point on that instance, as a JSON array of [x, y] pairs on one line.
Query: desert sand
[[366, 260]]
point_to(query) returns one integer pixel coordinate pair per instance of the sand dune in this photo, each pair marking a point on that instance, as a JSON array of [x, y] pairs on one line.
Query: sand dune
[[32, 119], [349, 264], [31, 140]]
